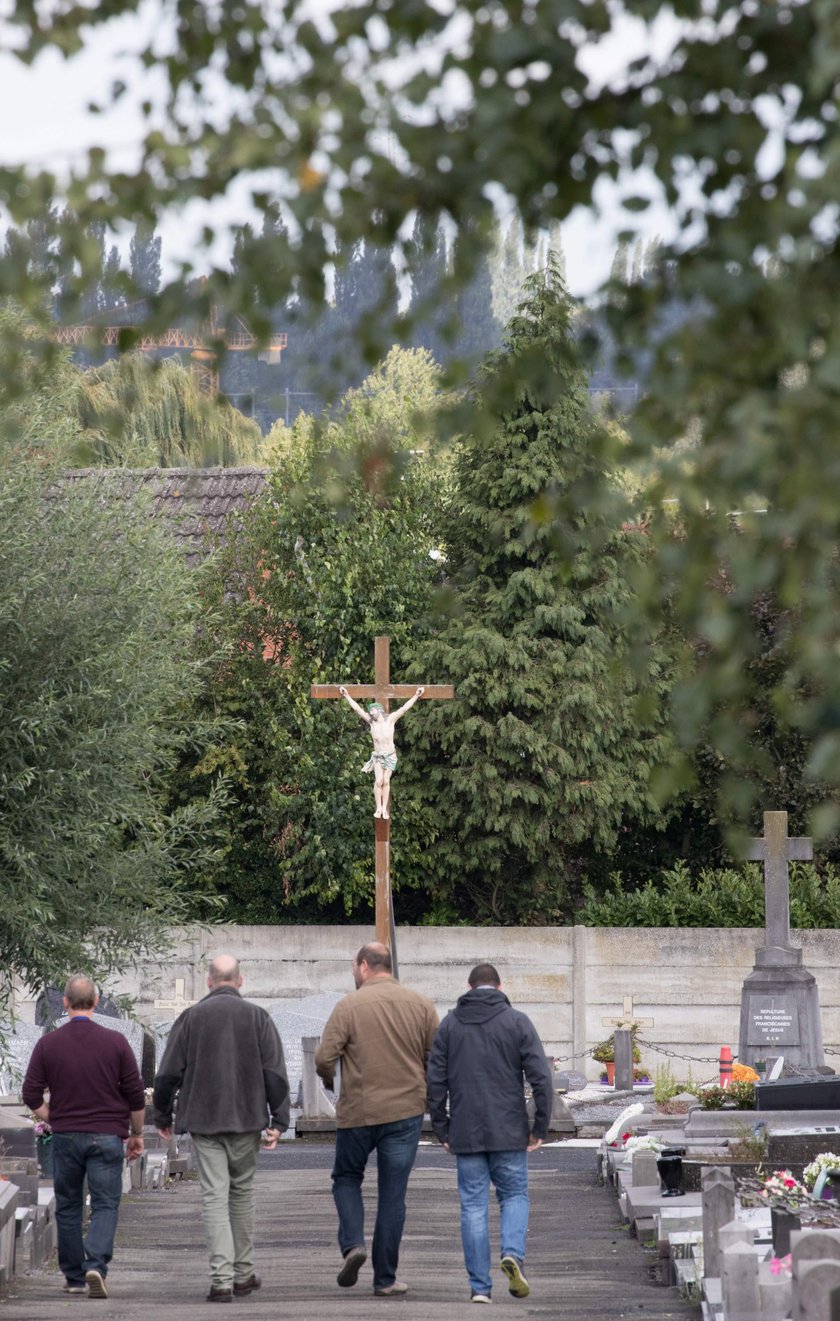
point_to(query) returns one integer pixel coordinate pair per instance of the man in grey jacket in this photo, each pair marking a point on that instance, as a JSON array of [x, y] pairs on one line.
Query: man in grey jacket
[[480, 1054], [223, 1074]]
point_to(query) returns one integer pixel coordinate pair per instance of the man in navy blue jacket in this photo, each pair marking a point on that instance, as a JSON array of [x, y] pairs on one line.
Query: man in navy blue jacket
[[483, 1051]]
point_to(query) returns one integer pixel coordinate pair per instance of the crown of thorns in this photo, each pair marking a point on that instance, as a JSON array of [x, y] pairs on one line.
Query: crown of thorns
[[376, 706]]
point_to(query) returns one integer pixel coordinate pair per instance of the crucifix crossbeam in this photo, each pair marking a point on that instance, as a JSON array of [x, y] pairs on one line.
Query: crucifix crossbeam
[[775, 849], [383, 691], [628, 1018]]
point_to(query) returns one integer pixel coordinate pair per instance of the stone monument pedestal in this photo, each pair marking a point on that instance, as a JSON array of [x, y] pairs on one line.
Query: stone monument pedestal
[[780, 1010]]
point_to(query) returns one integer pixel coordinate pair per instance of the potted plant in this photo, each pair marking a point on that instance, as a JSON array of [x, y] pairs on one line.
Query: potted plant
[[604, 1053]]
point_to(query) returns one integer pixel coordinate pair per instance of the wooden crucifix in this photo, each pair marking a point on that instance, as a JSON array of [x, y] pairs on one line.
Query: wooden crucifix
[[776, 849], [382, 691]]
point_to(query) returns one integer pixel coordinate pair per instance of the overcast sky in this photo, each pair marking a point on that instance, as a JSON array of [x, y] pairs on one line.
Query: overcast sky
[[43, 108]]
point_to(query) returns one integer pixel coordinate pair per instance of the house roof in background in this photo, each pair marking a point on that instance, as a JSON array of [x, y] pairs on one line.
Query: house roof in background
[[196, 503]]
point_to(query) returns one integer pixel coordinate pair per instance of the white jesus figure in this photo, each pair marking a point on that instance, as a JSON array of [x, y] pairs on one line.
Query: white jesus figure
[[383, 759]]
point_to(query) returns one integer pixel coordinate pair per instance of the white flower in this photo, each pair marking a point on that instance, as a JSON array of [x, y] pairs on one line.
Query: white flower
[[643, 1143], [826, 1160]]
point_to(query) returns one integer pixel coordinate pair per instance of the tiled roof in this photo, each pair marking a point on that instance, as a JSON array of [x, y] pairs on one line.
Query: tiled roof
[[195, 502]]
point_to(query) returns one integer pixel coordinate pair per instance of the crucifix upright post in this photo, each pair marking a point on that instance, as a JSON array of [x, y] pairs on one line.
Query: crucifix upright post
[[382, 690]]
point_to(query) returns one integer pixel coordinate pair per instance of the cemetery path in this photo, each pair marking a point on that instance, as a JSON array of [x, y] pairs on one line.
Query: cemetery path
[[582, 1264]]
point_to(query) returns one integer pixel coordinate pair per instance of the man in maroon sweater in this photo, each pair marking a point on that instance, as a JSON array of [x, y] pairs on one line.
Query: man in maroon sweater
[[96, 1101]]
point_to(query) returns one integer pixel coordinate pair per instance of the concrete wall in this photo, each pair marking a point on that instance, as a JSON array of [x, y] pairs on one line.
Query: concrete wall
[[568, 979]]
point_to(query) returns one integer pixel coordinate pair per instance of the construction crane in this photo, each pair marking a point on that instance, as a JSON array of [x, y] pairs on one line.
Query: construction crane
[[203, 362]]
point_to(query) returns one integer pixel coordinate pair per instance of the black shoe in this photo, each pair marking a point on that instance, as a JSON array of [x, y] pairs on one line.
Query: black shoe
[[247, 1286], [354, 1260], [219, 1295]]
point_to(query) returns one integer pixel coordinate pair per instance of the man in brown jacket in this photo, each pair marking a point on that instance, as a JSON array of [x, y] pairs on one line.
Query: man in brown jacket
[[382, 1034]]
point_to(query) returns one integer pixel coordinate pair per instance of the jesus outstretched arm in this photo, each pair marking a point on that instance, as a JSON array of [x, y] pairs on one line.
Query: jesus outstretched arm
[[355, 705]]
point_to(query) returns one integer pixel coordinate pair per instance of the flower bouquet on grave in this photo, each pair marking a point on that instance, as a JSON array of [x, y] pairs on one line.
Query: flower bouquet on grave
[[785, 1196], [781, 1191], [43, 1146], [642, 1142]]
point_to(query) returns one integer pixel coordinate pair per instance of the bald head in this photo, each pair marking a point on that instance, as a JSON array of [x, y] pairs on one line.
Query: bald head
[[80, 995], [223, 971]]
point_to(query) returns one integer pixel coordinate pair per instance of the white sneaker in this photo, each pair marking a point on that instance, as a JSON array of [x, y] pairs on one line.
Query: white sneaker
[[96, 1284], [480, 1298]]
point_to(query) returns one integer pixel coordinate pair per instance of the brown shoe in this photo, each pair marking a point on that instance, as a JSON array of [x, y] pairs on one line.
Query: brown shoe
[[247, 1286], [219, 1295]]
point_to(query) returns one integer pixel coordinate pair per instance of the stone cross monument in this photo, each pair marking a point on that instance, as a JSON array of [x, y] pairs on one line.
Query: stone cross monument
[[780, 1011], [382, 691]]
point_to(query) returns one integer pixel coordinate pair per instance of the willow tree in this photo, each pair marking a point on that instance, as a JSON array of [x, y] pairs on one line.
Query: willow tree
[[139, 414]]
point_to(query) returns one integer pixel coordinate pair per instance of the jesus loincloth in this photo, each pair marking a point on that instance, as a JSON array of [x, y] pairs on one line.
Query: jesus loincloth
[[387, 760]]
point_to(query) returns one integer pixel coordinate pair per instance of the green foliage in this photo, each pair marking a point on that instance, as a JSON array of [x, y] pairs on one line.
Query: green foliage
[[548, 749], [723, 897], [665, 1084], [96, 628], [39, 409], [712, 1098], [138, 413], [130, 412], [748, 1146], [738, 318], [604, 1052], [743, 1094], [339, 553]]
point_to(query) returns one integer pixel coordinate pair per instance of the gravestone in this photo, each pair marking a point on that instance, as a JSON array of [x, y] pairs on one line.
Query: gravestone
[[813, 1288], [775, 1294], [17, 1043], [303, 1018], [718, 1195], [644, 1171], [739, 1282], [49, 1007], [780, 1012]]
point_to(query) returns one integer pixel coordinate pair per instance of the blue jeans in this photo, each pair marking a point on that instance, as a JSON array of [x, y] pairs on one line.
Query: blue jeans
[[99, 1158], [508, 1171], [396, 1148]]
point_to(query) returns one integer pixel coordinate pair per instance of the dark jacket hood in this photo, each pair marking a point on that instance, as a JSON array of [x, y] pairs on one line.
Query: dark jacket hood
[[480, 1006]]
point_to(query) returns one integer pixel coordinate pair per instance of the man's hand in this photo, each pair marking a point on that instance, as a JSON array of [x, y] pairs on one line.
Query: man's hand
[[445, 1146], [342, 690], [166, 1133], [134, 1147], [533, 1143], [420, 692], [270, 1138]]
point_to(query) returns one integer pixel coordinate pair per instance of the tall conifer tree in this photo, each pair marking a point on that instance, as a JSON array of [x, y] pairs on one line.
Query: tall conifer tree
[[546, 752]]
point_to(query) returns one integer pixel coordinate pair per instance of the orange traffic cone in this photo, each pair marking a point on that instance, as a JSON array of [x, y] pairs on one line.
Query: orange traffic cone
[[725, 1066]]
